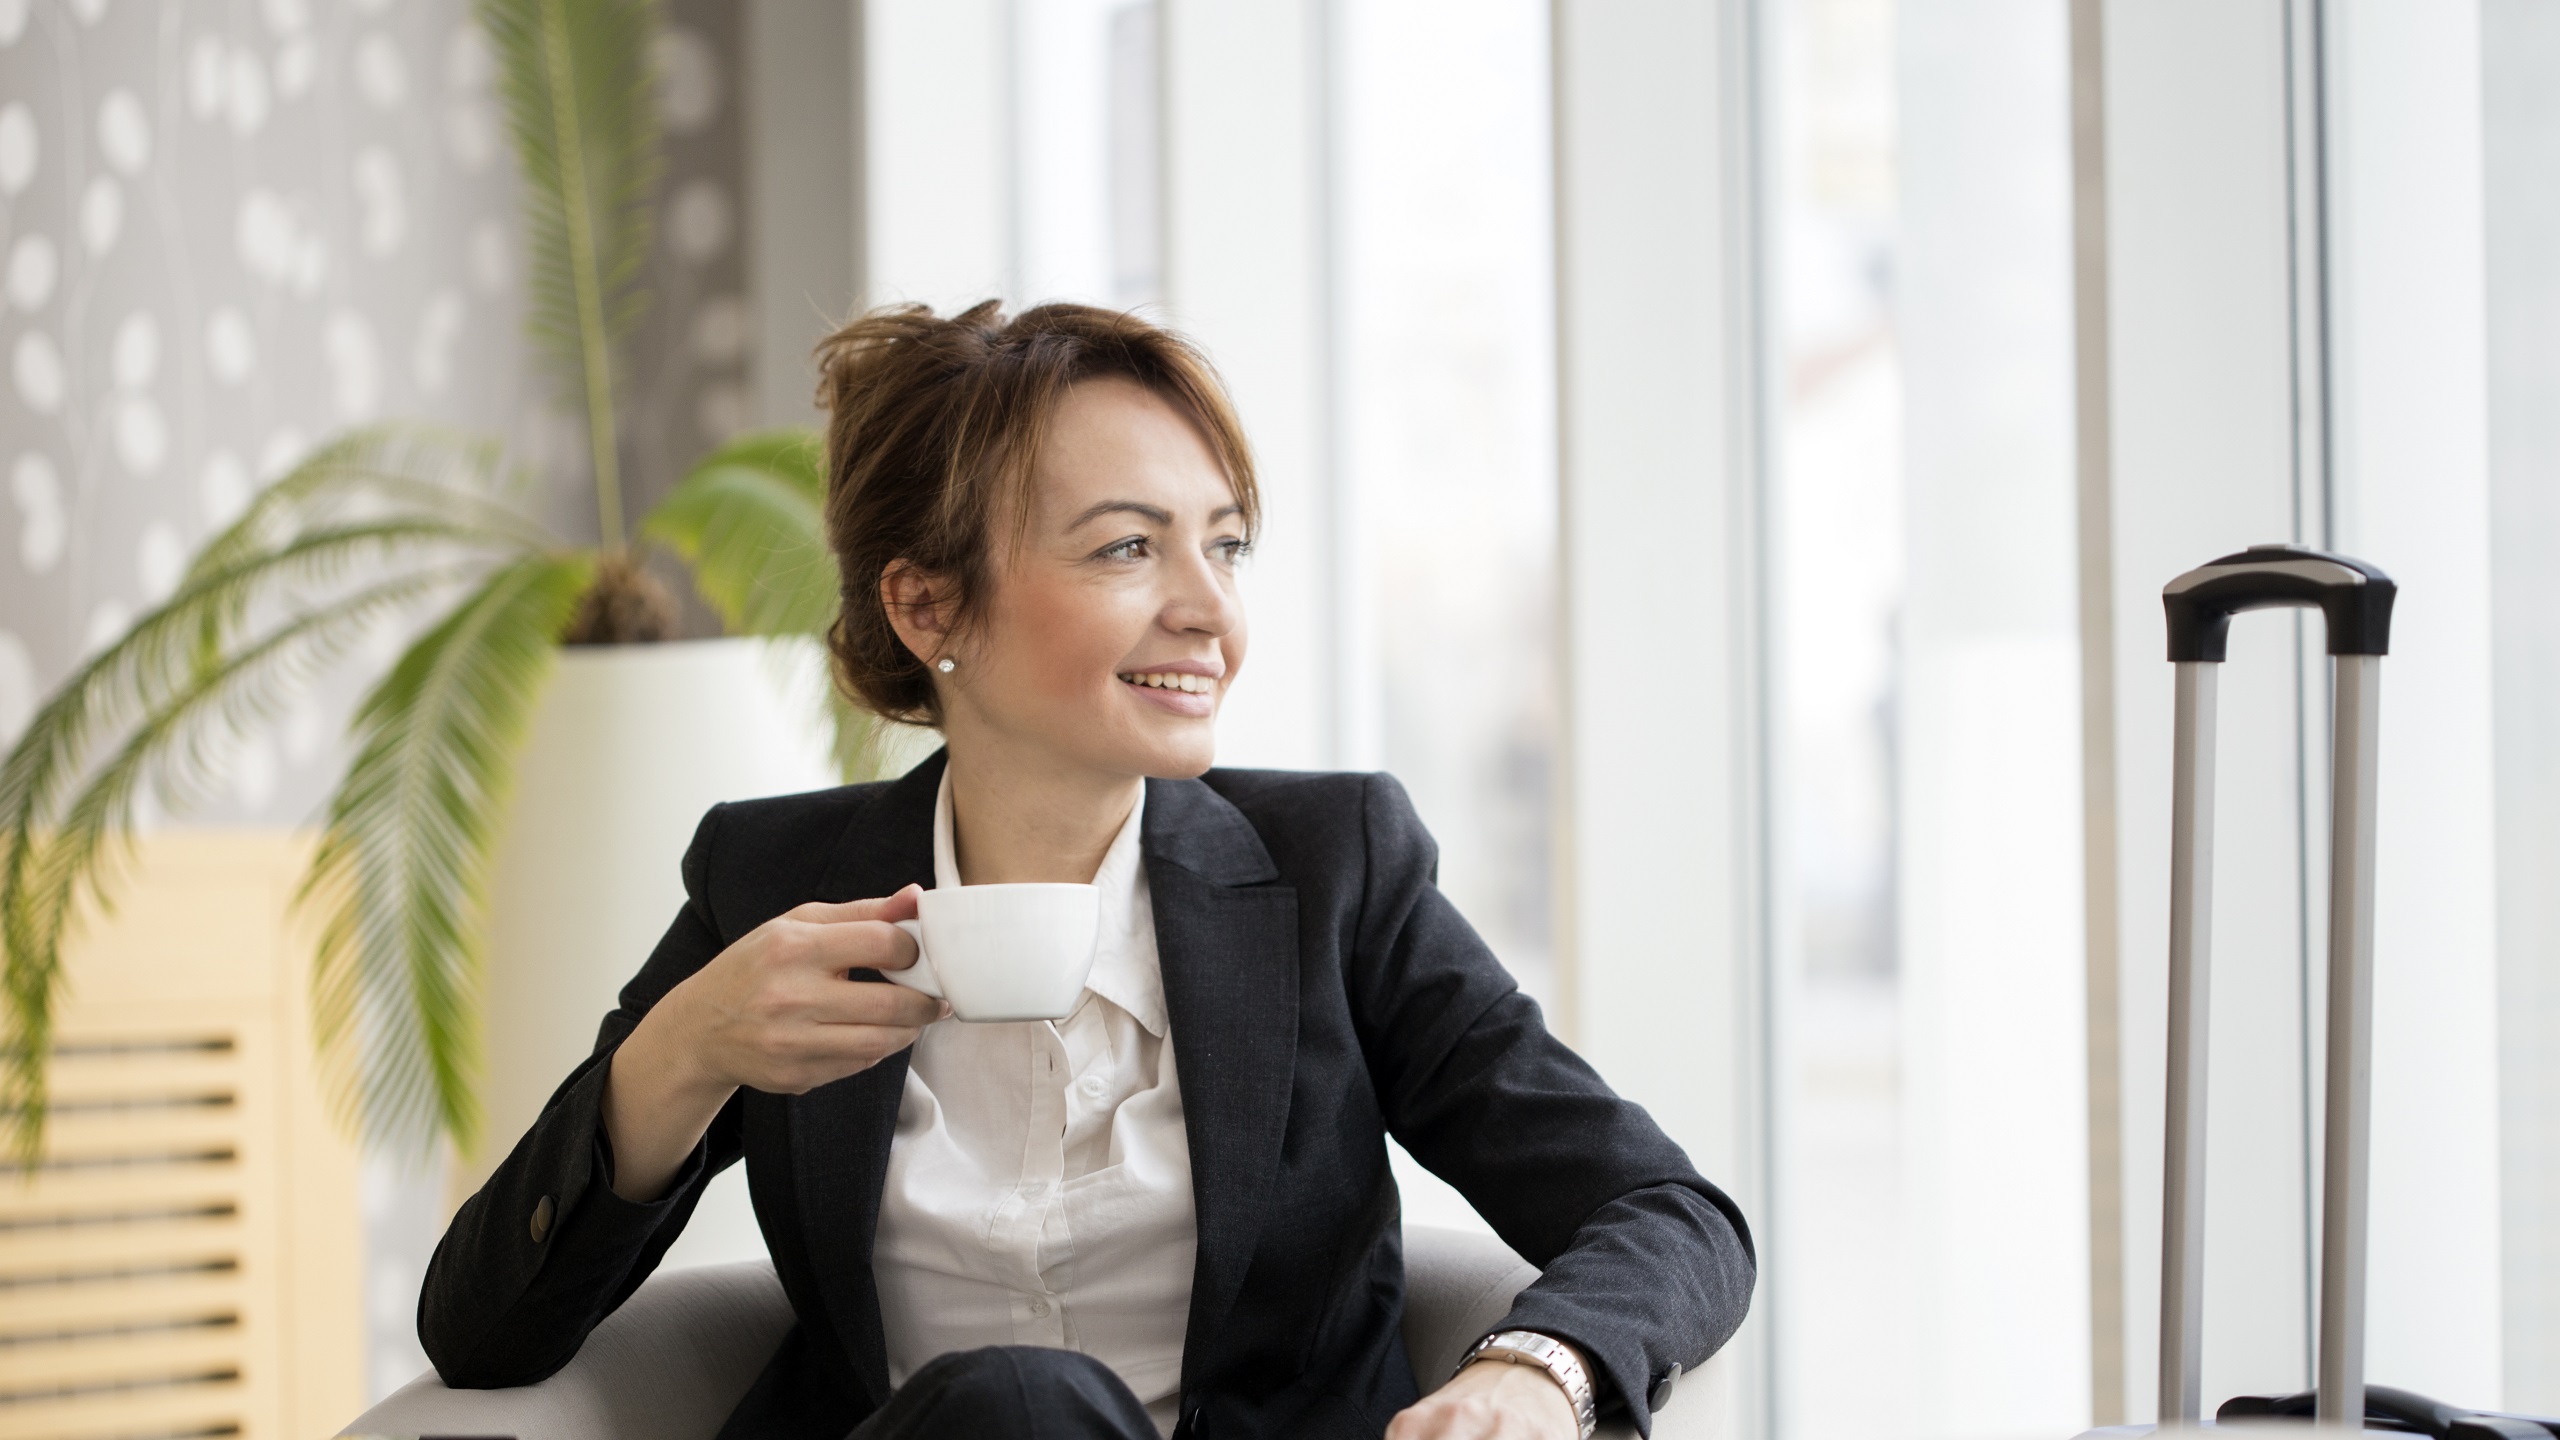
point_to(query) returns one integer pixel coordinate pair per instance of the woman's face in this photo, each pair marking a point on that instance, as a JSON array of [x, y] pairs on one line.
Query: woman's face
[[1111, 633]]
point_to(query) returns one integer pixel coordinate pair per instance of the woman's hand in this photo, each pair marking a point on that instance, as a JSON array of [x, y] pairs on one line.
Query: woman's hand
[[773, 1012], [1491, 1400]]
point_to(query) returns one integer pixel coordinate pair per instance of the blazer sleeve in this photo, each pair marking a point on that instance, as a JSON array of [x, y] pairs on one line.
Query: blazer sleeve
[[507, 1299], [1645, 1264]]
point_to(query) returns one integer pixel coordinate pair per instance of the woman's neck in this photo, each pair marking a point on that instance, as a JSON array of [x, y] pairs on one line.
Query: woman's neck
[[1015, 822]]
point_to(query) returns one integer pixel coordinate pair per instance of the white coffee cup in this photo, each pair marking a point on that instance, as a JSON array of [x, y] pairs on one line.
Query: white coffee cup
[[1003, 952]]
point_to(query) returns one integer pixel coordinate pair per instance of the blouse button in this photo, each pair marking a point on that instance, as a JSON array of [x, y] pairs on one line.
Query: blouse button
[[1093, 1086], [1039, 1306]]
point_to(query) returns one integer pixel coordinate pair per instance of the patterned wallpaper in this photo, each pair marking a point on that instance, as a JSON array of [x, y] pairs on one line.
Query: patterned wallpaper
[[229, 228]]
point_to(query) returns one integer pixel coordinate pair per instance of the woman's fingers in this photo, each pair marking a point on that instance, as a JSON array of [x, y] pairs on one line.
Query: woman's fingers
[[835, 946], [838, 1002], [901, 906], [824, 1054]]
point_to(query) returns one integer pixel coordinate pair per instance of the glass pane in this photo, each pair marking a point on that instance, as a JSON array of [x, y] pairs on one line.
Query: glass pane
[[1448, 440], [1844, 1302], [1930, 1274]]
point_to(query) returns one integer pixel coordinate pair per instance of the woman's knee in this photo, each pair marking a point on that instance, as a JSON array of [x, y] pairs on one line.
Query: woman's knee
[[1004, 1386]]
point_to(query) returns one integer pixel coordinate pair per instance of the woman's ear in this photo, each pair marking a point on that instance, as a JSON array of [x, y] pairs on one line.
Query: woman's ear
[[919, 609]]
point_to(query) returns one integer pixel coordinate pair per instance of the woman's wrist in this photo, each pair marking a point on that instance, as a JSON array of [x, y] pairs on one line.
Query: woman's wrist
[[672, 1058], [1553, 1361], [1526, 1392], [658, 1101]]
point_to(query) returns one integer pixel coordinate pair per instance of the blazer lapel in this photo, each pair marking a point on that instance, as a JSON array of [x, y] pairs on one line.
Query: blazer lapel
[[840, 1133], [1227, 941]]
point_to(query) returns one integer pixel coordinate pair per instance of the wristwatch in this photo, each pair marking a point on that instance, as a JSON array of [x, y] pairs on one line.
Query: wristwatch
[[1528, 1347]]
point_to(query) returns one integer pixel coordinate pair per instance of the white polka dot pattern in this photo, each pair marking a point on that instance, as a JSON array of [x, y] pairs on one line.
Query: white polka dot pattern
[[101, 214], [124, 132], [17, 685], [18, 145], [688, 81], [230, 345], [230, 231], [32, 268], [42, 530], [698, 220], [35, 366]]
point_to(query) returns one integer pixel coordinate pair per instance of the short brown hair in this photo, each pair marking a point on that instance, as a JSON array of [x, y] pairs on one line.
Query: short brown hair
[[933, 422]]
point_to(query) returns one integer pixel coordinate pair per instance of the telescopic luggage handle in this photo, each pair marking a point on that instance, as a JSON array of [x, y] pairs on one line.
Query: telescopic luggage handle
[[2355, 600], [2354, 597]]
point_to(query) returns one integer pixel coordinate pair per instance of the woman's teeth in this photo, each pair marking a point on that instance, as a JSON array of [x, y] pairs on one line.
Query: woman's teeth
[[1195, 684]]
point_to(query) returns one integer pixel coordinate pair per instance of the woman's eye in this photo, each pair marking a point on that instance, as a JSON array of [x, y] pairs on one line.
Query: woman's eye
[[1232, 551], [1133, 548]]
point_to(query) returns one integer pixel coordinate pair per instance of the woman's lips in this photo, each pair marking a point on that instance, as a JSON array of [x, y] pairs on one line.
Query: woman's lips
[[1196, 704]]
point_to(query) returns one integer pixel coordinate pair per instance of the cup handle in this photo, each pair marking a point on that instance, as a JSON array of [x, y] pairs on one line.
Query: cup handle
[[918, 976]]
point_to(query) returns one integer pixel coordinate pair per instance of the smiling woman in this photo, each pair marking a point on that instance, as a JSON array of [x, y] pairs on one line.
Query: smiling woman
[[1167, 1209], [1089, 462]]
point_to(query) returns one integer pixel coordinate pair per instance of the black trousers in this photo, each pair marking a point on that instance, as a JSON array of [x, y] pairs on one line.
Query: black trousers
[[1010, 1392]]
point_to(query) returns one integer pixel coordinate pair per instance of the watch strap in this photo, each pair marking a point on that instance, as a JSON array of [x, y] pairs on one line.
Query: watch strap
[[1528, 1347]]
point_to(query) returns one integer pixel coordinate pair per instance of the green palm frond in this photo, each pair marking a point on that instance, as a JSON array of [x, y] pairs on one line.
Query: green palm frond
[[380, 522], [578, 83], [401, 873], [57, 857], [750, 519]]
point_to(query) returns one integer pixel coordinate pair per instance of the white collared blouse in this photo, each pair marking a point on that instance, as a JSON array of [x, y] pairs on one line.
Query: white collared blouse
[[1039, 1185]]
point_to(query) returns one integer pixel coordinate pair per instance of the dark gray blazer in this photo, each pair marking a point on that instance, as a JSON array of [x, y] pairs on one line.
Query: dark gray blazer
[[1323, 995]]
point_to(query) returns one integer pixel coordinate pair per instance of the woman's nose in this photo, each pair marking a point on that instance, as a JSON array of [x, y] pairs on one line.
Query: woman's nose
[[1202, 599]]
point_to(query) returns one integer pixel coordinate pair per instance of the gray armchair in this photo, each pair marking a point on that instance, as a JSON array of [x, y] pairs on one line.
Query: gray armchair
[[674, 1359]]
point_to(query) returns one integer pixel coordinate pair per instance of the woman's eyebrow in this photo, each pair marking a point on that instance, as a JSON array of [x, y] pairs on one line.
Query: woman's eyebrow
[[1154, 513]]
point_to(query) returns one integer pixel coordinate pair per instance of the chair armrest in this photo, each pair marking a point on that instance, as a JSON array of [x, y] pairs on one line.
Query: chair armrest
[[669, 1365], [1459, 1284]]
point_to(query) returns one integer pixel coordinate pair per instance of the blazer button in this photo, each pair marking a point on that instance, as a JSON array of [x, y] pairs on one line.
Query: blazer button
[[544, 1211], [1661, 1395]]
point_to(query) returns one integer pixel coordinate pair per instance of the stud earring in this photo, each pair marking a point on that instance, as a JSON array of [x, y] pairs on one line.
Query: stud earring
[[947, 665]]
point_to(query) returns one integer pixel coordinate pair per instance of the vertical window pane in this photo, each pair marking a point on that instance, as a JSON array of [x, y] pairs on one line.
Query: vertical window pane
[[1447, 439], [1931, 1243], [1844, 1306]]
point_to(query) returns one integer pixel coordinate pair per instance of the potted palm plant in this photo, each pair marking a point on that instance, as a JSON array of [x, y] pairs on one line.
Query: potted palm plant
[[417, 523]]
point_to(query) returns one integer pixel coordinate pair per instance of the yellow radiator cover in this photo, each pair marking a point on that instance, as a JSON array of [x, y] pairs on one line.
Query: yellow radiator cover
[[188, 1261]]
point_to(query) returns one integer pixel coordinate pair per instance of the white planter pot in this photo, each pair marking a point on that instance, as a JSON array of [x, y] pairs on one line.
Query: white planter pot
[[632, 744]]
